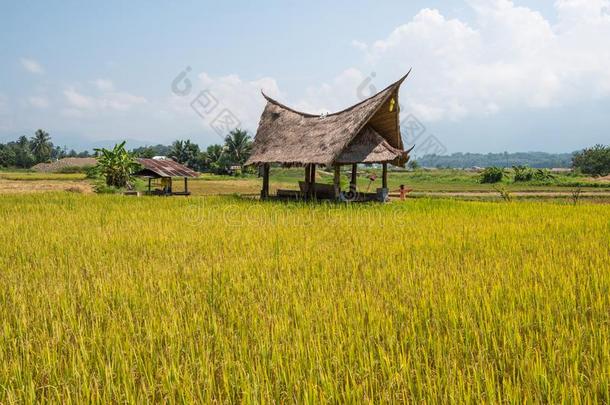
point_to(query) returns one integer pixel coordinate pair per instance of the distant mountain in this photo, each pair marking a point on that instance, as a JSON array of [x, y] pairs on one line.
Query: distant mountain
[[465, 160], [79, 143]]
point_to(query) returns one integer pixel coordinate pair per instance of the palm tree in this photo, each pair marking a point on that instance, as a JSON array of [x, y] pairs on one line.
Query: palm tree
[[23, 153], [178, 152], [41, 146], [215, 158], [214, 153], [23, 142], [185, 152], [239, 146]]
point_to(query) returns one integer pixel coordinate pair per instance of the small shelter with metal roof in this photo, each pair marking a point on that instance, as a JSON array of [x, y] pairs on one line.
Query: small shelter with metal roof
[[160, 172], [368, 132]]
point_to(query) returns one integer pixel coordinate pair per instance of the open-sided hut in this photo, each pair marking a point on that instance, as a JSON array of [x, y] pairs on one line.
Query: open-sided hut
[[160, 173], [368, 132]]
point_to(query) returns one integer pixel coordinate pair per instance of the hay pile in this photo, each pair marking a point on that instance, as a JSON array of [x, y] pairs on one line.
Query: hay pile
[[64, 163]]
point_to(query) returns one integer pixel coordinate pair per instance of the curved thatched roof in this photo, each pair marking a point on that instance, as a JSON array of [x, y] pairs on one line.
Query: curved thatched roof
[[368, 131], [370, 147]]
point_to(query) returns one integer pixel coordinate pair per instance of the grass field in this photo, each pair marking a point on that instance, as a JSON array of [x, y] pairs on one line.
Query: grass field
[[424, 183], [35, 176], [113, 299], [441, 183], [446, 180]]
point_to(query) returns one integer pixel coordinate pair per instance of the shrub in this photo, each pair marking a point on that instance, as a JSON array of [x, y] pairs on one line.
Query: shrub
[[576, 195], [504, 193], [523, 173], [74, 169], [492, 175], [543, 175], [92, 173], [593, 161]]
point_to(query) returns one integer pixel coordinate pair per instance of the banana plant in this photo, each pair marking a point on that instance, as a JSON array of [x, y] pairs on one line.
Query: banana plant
[[117, 165]]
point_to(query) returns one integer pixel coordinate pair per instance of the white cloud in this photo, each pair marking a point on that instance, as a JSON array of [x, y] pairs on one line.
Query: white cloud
[[106, 101], [510, 57], [241, 97], [121, 101], [104, 84], [38, 101], [32, 66], [579, 12], [72, 112], [335, 95], [79, 101], [359, 45]]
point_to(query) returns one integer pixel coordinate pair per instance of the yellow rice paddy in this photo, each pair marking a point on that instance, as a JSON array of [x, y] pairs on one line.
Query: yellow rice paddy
[[123, 299]]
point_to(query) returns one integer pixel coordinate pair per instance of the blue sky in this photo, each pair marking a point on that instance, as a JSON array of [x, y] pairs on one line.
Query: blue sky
[[488, 75]]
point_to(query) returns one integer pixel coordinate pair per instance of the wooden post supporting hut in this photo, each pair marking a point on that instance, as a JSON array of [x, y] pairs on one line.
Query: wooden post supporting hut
[[337, 181], [265, 190], [353, 184]]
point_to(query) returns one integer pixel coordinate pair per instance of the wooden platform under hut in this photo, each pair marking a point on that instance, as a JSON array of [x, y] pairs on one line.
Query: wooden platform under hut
[[365, 133]]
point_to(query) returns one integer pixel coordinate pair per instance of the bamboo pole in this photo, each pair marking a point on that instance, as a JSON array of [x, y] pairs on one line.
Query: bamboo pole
[[384, 178]]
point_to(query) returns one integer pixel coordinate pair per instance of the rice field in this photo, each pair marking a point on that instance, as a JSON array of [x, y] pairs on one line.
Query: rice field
[[119, 299]]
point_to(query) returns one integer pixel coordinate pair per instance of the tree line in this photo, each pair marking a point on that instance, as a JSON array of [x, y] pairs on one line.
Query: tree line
[[461, 160], [26, 152], [218, 158], [594, 161], [235, 150]]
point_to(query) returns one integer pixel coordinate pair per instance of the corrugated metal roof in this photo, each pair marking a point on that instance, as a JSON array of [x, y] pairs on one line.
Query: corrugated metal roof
[[166, 168]]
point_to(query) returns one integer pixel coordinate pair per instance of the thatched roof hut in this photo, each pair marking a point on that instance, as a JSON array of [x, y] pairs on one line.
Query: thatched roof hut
[[368, 132]]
